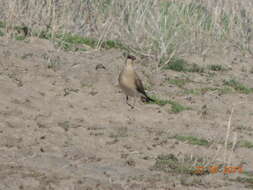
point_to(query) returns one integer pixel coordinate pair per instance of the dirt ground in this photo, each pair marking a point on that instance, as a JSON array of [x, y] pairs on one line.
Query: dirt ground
[[65, 125]]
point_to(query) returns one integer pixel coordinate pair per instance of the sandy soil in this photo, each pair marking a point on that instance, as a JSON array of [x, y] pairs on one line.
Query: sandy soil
[[65, 125]]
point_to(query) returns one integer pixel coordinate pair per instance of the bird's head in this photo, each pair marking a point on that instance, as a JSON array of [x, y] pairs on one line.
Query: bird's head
[[130, 59]]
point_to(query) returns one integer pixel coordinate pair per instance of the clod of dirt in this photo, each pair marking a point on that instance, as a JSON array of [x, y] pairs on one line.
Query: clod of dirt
[[100, 66], [124, 156], [131, 162], [93, 93], [42, 150]]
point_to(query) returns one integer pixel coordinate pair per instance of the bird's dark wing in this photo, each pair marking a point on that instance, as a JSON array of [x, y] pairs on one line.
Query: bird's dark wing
[[139, 85], [140, 89]]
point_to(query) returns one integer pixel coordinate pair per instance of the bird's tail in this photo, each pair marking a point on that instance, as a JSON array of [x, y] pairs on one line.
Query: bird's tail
[[147, 99]]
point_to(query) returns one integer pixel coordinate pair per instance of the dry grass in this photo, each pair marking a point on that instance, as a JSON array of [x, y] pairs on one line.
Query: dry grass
[[154, 28], [228, 156]]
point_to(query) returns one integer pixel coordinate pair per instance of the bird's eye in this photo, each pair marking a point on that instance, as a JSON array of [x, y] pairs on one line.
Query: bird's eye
[[131, 57]]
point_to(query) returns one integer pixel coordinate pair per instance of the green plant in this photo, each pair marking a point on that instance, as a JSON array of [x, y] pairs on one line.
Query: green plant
[[194, 68], [42, 34], [76, 39], [1, 33], [52, 64], [238, 86], [225, 90], [68, 91], [176, 64], [2, 24], [246, 144], [175, 107], [20, 38], [109, 44], [199, 91], [200, 13], [192, 140], [179, 82], [180, 65], [192, 91], [68, 42], [248, 173], [160, 102], [169, 163]]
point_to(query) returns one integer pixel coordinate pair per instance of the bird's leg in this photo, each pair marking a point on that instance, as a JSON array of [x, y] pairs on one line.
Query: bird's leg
[[135, 107], [128, 102], [134, 101]]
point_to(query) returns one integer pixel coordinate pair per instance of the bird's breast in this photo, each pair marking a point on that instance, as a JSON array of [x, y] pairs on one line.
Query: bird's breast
[[127, 84]]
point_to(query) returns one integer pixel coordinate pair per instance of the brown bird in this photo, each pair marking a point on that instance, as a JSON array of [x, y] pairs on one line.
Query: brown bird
[[130, 82]]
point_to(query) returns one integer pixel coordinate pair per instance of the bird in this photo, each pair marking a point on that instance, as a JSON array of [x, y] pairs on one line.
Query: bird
[[130, 82]]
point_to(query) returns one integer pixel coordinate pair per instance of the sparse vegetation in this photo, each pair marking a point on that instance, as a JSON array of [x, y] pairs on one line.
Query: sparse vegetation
[[245, 180], [239, 87], [53, 63], [179, 82], [192, 140], [20, 38], [151, 28], [191, 180], [76, 39], [69, 41], [216, 67], [246, 144], [26, 55], [160, 102], [176, 64], [65, 125], [68, 91], [180, 65], [175, 107], [1, 33], [119, 133], [171, 164], [199, 91], [2, 24], [192, 91], [194, 68], [243, 127], [225, 90]]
